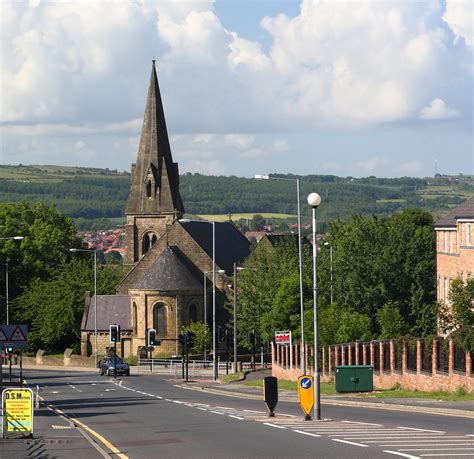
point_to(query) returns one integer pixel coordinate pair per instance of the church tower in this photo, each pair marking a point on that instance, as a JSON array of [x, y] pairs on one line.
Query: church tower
[[154, 200]]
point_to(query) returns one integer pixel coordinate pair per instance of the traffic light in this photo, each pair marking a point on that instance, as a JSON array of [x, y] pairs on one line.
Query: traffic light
[[190, 339], [181, 339], [222, 334], [258, 341], [151, 337], [9, 348], [251, 338], [115, 333]]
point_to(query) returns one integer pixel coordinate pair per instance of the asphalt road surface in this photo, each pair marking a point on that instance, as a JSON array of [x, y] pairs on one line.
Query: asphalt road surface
[[148, 416]]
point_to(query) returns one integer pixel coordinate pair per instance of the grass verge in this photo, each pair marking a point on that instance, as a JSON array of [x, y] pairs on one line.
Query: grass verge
[[231, 377]]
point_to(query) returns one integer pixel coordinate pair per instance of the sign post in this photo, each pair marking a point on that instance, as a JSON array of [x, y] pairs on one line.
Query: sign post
[[17, 407], [270, 394], [306, 395]]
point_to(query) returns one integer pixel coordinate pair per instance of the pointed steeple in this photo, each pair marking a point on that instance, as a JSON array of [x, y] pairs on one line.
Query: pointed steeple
[[155, 177]]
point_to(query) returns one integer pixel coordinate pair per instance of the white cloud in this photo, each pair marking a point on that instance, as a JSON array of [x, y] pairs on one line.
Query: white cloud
[[438, 110], [459, 16], [239, 140], [410, 168], [372, 164], [280, 145]]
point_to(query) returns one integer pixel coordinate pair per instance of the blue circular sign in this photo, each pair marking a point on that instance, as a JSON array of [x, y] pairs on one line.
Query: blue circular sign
[[306, 383]]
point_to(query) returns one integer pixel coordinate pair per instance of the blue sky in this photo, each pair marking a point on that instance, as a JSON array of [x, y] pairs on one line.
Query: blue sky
[[351, 88]]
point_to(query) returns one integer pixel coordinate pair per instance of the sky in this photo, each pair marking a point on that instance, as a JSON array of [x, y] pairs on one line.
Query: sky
[[350, 88]]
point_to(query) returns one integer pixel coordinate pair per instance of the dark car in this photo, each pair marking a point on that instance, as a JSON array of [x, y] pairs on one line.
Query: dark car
[[107, 367]]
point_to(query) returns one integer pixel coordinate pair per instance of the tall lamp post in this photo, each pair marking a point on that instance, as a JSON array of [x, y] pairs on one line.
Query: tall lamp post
[[300, 258], [236, 269], [12, 238], [95, 299], [330, 267], [314, 200], [205, 273]]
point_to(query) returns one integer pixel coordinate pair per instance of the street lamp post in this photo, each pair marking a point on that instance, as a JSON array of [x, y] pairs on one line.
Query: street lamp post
[[314, 200], [236, 269], [300, 259], [13, 238], [330, 267], [95, 299], [205, 273]]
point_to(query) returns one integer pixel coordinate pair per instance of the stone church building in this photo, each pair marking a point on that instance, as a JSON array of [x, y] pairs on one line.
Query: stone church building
[[170, 259]]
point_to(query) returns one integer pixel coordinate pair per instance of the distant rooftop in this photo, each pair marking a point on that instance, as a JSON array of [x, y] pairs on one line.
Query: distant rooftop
[[465, 210]]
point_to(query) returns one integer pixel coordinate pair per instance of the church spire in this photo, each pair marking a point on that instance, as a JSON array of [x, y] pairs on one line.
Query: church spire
[[155, 179]]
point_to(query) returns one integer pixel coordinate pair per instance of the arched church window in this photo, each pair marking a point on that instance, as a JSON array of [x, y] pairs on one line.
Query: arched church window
[[147, 242], [148, 188], [134, 318], [192, 313], [160, 319]]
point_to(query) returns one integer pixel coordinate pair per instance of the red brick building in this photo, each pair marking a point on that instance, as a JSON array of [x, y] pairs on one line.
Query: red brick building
[[454, 247]]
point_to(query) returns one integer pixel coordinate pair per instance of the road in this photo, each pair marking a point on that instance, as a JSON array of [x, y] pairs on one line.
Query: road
[[147, 416]]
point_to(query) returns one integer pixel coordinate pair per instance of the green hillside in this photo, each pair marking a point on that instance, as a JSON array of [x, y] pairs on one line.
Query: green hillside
[[90, 195]]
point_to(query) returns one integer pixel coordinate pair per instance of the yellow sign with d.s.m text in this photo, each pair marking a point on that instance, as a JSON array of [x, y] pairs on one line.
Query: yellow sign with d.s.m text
[[17, 410]]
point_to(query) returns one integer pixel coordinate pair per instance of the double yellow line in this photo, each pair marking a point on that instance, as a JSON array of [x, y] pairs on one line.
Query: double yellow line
[[95, 434]]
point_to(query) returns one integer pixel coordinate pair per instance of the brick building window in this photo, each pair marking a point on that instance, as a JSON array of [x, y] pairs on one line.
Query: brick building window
[[160, 319], [134, 318], [147, 242], [445, 249], [192, 313], [468, 234]]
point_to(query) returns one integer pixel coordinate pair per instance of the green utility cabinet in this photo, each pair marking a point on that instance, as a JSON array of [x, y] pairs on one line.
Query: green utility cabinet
[[354, 378]]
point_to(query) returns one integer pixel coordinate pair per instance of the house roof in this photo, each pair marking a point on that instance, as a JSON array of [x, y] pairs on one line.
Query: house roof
[[465, 210], [276, 239], [231, 245], [171, 272], [111, 309]]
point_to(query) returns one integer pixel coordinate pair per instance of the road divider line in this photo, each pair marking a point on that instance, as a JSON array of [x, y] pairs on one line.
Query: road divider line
[[95, 434], [273, 425], [400, 454], [217, 412], [306, 433], [350, 442], [236, 417], [422, 430]]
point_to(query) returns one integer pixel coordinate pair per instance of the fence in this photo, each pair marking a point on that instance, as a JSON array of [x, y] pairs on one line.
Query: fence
[[417, 364]]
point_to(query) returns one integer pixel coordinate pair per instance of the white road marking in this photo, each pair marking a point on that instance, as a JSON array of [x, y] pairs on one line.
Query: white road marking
[[307, 433], [400, 454], [361, 423], [273, 425], [452, 454], [235, 417], [74, 387], [422, 430], [253, 411], [55, 392], [437, 449], [217, 412], [350, 442], [202, 409]]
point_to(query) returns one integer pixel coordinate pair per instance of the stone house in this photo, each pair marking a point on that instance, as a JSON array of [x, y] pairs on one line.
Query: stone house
[[170, 259]]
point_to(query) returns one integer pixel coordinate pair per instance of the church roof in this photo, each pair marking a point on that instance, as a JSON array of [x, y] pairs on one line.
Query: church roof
[[171, 272], [155, 177], [111, 309], [465, 210], [231, 245]]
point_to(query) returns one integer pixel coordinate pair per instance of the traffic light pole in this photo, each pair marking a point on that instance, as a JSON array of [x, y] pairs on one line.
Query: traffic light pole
[[115, 360]]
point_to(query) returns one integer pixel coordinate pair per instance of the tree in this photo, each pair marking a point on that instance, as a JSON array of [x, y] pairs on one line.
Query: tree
[[47, 237], [390, 321], [203, 334], [54, 307], [353, 326], [113, 257]]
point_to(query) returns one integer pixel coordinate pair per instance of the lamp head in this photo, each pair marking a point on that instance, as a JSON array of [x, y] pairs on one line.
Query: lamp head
[[314, 200], [18, 238]]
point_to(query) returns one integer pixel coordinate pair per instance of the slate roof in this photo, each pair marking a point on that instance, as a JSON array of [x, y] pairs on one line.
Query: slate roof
[[111, 309], [231, 245], [171, 272], [276, 239], [465, 210]]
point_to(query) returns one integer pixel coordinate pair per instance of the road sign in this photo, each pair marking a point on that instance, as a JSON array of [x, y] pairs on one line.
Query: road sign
[[14, 333], [283, 337], [17, 407], [306, 393], [270, 393]]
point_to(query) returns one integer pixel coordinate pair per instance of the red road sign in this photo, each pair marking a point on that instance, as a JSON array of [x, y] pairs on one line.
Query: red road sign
[[283, 337]]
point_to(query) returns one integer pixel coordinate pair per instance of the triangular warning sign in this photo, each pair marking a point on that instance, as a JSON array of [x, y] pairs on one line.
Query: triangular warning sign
[[18, 335], [3, 337]]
